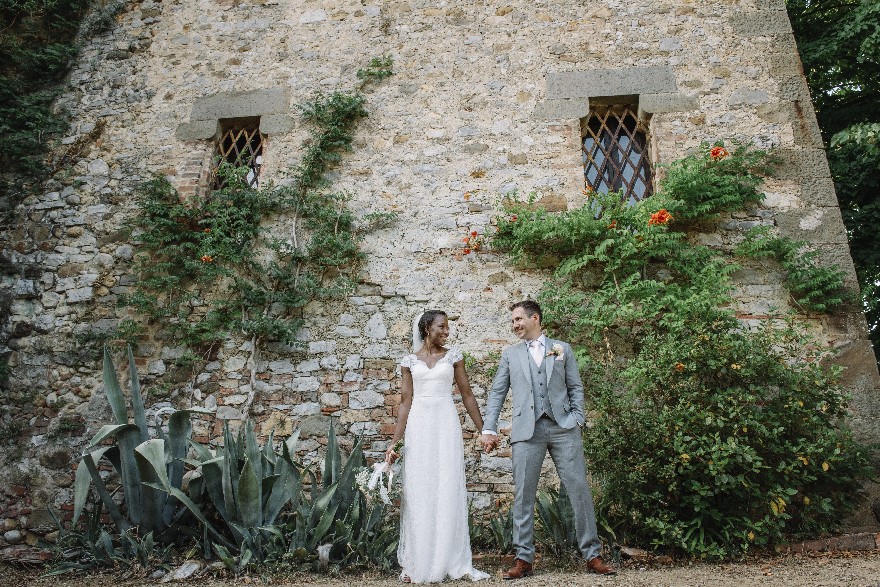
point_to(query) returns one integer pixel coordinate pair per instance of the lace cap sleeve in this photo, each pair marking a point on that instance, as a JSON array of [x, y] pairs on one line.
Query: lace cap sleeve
[[454, 355], [408, 361]]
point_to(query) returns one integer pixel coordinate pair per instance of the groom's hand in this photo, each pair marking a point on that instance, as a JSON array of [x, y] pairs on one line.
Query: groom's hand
[[489, 442]]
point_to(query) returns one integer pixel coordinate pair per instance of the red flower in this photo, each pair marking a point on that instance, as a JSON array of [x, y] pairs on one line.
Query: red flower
[[660, 217], [207, 230], [613, 224], [474, 233], [679, 367], [465, 239], [718, 153], [466, 251], [207, 258], [513, 218]]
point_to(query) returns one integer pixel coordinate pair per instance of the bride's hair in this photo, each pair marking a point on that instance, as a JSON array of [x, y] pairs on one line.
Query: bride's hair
[[427, 319]]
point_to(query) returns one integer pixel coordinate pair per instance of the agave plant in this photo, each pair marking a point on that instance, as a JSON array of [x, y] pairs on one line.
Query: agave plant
[[555, 529], [139, 460], [248, 485]]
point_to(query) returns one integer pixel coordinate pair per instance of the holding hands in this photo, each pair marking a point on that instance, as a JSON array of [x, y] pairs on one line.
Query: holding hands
[[489, 442]]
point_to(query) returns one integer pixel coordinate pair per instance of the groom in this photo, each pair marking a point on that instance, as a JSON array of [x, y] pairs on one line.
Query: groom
[[548, 411]]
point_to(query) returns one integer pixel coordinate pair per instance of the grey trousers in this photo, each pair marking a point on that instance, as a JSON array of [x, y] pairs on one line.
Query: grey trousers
[[567, 451]]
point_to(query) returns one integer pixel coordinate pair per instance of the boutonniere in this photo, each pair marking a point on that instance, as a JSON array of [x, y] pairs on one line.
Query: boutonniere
[[556, 351]]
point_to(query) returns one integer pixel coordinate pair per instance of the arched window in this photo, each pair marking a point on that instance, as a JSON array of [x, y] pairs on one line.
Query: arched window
[[615, 152]]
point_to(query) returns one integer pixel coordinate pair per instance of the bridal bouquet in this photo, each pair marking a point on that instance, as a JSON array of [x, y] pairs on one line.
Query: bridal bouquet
[[378, 482]]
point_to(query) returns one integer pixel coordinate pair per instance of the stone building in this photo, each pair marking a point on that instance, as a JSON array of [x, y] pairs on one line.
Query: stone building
[[486, 98]]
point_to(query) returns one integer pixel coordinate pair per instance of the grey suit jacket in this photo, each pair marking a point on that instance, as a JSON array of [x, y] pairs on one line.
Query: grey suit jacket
[[563, 383]]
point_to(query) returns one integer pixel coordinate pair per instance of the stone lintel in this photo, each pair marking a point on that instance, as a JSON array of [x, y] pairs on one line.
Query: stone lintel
[[624, 81], [198, 130], [276, 124], [665, 103], [241, 104], [562, 108], [761, 23], [797, 164]]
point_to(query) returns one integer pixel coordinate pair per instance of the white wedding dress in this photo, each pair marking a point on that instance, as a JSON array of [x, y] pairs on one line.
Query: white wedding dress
[[434, 538]]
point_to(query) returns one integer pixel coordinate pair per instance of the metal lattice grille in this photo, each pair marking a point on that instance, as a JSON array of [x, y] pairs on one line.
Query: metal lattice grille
[[241, 146], [615, 151]]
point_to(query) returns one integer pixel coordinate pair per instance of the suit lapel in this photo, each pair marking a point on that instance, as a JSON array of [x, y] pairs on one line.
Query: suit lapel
[[549, 361]]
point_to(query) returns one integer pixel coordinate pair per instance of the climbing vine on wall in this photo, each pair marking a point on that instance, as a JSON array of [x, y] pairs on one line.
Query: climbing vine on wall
[[705, 436], [245, 262]]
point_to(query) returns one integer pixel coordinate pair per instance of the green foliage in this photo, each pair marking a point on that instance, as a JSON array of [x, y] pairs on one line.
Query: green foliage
[[704, 186], [248, 505], [712, 440], [139, 461], [217, 266], [93, 547], [378, 69], [813, 288], [555, 525], [704, 437], [36, 48], [839, 45]]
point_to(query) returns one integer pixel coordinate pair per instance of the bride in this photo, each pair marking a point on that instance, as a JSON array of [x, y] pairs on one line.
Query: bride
[[434, 537]]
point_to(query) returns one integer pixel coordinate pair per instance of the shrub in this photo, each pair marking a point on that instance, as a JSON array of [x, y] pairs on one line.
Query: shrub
[[705, 438]]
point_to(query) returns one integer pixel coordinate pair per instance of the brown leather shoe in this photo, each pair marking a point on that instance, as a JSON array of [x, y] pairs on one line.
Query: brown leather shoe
[[596, 565], [519, 570]]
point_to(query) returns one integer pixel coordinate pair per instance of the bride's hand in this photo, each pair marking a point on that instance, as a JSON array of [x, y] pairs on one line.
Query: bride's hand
[[391, 456]]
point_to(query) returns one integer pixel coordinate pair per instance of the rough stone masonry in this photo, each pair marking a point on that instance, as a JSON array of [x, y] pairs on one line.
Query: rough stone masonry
[[486, 99]]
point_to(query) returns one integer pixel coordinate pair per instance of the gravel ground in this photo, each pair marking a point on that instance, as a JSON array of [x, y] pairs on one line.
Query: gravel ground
[[855, 570]]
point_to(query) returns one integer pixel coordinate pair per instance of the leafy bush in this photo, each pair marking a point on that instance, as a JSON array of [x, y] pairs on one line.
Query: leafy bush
[[705, 437]]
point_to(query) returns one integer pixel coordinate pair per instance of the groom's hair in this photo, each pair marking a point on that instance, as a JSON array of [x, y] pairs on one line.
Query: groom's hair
[[531, 307], [426, 320]]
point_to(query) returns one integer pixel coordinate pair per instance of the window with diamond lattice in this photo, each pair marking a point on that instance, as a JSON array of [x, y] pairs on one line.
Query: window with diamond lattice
[[241, 145], [615, 153]]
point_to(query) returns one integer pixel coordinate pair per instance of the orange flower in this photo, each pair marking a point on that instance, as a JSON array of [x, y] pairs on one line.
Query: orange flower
[[660, 217], [679, 367], [588, 189], [466, 251], [467, 196], [465, 239], [474, 233], [613, 224], [513, 218], [718, 153], [207, 230], [207, 258]]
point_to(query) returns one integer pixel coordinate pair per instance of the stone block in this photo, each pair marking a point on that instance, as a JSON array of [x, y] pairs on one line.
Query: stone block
[[667, 102], [796, 164], [852, 542], [761, 23], [786, 65], [276, 124], [611, 82], [794, 89], [838, 255], [197, 130], [804, 126], [240, 104], [562, 108], [818, 191], [812, 224]]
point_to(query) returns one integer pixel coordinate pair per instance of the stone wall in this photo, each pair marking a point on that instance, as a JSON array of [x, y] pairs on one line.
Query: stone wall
[[485, 100]]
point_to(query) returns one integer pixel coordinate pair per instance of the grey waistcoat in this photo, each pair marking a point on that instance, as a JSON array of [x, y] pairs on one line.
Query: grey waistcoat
[[539, 389]]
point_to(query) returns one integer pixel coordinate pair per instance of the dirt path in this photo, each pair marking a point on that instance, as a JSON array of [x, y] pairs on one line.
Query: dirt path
[[862, 570]]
